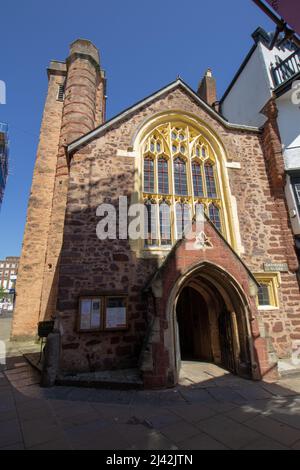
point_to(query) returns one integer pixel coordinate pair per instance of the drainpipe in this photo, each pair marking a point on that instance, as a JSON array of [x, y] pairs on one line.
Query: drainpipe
[[281, 25]]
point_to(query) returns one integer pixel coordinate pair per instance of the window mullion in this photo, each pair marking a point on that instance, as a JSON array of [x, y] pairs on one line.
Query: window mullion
[[157, 227], [155, 175], [190, 181], [205, 193]]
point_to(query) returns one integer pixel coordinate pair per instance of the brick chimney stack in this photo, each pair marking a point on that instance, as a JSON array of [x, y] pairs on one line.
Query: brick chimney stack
[[207, 89]]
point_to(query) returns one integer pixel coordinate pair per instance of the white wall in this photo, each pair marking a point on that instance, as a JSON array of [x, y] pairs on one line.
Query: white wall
[[292, 205], [289, 128], [253, 88], [249, 94]]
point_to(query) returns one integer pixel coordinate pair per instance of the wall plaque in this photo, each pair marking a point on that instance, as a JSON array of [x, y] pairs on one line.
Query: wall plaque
[[276, 267]]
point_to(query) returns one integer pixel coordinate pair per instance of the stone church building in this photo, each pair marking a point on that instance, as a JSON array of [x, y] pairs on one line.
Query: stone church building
[[227, 294]]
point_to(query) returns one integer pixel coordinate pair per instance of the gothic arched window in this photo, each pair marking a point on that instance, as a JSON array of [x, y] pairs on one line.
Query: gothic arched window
[[180, 179]]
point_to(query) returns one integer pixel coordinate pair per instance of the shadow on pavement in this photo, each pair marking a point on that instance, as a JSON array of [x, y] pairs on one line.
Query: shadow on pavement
[[220, 411]]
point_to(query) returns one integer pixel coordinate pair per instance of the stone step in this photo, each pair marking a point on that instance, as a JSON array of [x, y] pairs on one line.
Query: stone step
[[118, 380], [290, 373], [34, 360], [288, 369]]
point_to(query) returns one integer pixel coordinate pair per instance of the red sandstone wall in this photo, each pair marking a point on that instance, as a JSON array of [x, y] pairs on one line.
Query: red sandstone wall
[[91, 266], [32, 263]]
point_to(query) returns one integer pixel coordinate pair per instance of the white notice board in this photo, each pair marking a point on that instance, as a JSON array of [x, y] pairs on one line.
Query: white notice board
[[116, 318]]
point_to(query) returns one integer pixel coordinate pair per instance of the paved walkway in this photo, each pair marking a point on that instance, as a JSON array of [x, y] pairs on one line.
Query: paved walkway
[[11, 350], [218, 412]]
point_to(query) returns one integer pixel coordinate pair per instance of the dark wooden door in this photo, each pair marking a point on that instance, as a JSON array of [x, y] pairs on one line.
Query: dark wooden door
[[226, 341]]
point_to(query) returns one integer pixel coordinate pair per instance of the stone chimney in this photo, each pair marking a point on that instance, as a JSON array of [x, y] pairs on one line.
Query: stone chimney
[[207, 89]]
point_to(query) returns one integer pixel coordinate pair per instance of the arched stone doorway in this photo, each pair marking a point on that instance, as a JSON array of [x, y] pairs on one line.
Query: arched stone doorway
[[210, 321], [204, 327], [228, 293], [194, 326]]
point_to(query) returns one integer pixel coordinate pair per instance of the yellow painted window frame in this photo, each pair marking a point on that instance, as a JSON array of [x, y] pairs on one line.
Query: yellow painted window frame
[[273, 281]]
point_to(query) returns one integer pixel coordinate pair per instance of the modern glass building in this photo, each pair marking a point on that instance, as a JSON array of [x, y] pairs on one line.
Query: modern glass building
[[3, 158]]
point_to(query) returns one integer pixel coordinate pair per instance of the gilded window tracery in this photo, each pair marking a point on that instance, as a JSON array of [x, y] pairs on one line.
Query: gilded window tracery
[[180, 177]]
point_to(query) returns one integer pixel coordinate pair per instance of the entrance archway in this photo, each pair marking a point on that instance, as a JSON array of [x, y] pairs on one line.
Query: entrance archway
[[210, 316], [204, 327], [194, 326]]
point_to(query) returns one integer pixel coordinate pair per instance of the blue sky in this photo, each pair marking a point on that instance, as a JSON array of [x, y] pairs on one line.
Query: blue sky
[[144, 45]]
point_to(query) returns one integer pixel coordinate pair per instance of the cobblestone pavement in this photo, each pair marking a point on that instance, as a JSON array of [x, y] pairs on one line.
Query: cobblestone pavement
[[210, 409]]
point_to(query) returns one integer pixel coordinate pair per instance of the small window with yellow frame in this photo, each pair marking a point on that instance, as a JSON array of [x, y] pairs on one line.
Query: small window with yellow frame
[[267, 296]]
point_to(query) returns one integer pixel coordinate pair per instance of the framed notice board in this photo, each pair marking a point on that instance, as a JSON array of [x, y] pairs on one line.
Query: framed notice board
[[102, 313], [90, 316], [116, 316]]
